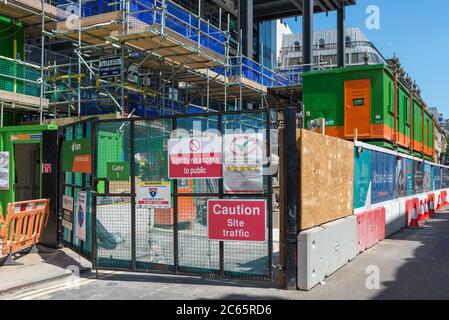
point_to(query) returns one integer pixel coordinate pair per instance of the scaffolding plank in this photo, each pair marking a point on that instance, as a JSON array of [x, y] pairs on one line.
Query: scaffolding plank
[[20, 99], [94, 29], [28, 12], [148, 37], [25, 7]]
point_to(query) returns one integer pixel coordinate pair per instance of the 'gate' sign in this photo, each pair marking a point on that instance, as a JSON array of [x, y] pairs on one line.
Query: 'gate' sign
[[236, 220]]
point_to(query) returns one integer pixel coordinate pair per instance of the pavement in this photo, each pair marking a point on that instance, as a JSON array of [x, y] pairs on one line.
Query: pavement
[[31, 269], [412, 264]]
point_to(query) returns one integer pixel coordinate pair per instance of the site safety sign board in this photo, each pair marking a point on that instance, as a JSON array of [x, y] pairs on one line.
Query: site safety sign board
[[237, 220], [81, 207], [76, 156], [46, 168], [199, 158], [153, 195], [243, 163], [67, 211]]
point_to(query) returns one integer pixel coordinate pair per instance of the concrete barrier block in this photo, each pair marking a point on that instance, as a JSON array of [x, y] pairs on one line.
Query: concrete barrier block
[[341, 238], [394, 219], [351, 230], [312, 251], [390, 218], [403, 214]]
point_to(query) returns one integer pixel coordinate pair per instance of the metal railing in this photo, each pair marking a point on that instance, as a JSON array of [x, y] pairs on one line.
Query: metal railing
[[168, 14]]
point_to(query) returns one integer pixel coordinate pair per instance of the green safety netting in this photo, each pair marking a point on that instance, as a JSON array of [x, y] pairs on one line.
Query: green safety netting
[[13, 76]]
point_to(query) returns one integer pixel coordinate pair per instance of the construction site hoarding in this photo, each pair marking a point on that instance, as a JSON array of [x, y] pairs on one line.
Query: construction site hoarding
[[362, 177], [383, 175], [326, 179]]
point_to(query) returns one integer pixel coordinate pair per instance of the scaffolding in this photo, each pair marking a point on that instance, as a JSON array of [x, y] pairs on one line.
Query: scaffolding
[[171, 60]]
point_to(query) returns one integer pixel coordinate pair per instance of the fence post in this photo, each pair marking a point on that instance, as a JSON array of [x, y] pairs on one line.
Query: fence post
[[290, 214]]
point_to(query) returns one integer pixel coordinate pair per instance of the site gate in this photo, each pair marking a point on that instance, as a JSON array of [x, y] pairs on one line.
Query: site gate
[[130, 237]]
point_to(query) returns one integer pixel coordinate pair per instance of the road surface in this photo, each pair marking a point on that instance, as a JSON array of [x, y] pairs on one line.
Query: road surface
[[413, 264]]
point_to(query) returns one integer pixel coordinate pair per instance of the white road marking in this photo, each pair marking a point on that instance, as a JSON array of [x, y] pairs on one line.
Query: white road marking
[[48, 290]]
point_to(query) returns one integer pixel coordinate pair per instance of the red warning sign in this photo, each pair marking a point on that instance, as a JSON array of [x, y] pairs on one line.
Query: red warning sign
[[198, 158], [237, 220], [46, 168]]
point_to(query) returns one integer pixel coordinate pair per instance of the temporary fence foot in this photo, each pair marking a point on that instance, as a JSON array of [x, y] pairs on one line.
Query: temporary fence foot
[[9, 261], [33, 249]]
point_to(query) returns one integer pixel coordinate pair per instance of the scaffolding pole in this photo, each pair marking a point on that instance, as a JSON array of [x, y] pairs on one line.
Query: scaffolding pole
[[41, 97], [78, 25]]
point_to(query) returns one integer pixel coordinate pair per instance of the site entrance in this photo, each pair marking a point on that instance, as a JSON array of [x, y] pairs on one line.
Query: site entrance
[[187, 194]]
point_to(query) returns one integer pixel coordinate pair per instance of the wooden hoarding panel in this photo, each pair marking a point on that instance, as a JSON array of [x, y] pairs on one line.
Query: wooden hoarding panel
[[326, 179]]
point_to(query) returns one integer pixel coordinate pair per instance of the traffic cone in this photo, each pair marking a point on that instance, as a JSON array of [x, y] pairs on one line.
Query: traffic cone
[[432, 205], [439, 203], [445, 203], [426, 210], [421, 214], [414, 222]]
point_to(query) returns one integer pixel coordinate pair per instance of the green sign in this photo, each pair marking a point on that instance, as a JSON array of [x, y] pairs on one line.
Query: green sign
[[118, 171], [358, 102], [76, 155]]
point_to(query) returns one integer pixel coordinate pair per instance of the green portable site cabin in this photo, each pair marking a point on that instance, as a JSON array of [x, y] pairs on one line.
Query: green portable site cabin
[[363, 98], [21, 150]]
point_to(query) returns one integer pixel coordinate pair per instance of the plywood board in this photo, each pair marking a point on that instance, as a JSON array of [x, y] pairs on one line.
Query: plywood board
[[326, 179]]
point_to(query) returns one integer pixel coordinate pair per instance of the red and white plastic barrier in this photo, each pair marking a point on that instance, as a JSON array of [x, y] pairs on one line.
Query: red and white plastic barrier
[[370, 228]]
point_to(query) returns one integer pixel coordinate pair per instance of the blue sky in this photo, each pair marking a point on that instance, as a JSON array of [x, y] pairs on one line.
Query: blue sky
[[417, 31]]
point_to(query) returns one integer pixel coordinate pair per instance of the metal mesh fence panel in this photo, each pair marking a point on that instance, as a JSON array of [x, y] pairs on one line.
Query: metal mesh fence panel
[[197, 255], [247, 259], [195, 126], [154, 226], [113, 148], [113, 231], [134, 235]]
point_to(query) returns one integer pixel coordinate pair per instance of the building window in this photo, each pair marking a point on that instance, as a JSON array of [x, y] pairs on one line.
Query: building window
[[407, 109], [391, 97], [348, 41], [297, 46], [322, 44]]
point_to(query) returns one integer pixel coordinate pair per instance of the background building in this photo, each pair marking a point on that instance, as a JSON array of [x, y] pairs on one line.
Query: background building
[[268, 43], [440, 143], [440, 135], [358, 48]]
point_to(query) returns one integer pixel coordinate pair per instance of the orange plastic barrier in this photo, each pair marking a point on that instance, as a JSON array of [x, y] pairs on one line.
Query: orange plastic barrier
[[23, 225]]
